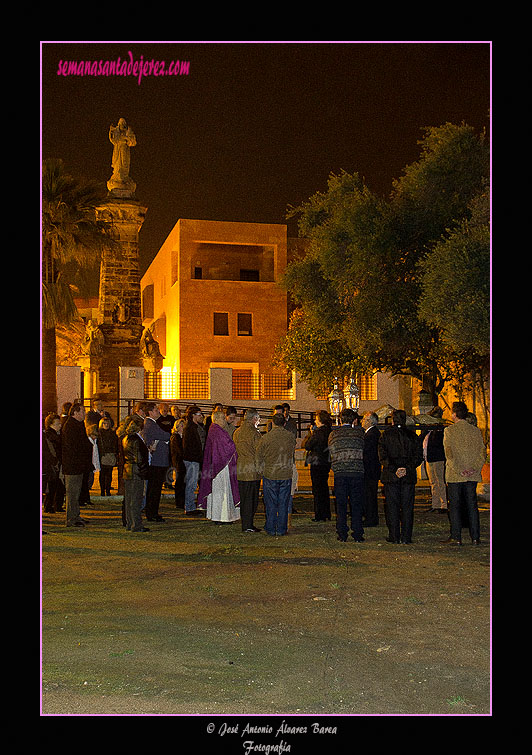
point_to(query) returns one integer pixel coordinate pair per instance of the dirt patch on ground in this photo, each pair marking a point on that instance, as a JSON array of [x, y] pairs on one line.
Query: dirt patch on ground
[[198, 618]]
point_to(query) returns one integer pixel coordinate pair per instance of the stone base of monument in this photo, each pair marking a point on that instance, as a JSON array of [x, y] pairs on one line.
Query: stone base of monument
[[123, 189]]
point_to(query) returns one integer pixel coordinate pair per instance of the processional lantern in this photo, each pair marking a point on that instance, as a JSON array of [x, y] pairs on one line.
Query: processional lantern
[[336, 401], [352, 395]]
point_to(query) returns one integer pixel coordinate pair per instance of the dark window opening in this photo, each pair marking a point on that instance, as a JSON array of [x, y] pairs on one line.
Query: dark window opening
[[147, 302], [221, 324], [249, 275], [244, 325]]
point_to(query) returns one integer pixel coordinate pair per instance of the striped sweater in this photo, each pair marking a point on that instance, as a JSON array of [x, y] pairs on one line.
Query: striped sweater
[[346, 447]]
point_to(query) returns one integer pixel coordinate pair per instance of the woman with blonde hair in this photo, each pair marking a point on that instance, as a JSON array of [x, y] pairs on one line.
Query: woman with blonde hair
[[107, 442]]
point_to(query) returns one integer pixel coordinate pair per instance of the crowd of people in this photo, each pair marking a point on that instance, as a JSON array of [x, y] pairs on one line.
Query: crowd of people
[[216, 465]]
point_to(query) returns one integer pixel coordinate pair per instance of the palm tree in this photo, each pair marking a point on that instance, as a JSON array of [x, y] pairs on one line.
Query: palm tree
[[71, 233]]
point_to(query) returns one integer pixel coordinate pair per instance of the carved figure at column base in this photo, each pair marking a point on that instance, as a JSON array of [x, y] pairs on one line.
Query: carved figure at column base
[[152, 358]]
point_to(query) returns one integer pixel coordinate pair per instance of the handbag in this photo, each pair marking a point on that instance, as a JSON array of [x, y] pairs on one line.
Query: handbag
[[108, 460]]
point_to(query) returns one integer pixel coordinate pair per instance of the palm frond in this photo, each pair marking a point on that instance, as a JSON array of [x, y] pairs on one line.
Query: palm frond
[[70, 227], [58, 307]]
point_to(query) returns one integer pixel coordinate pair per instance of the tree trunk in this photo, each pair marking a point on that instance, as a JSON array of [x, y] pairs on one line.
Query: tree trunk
[[48, 372]]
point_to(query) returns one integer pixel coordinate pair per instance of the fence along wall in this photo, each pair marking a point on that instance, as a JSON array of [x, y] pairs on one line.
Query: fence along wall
[[244, 386]]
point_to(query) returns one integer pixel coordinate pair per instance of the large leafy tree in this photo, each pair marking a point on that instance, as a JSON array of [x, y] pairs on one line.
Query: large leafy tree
[[72, 240], [360, 282], [455, 299], [318, 357], [455, 296]]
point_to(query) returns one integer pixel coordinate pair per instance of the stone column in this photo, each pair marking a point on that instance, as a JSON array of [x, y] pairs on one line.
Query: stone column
[[119, 312]]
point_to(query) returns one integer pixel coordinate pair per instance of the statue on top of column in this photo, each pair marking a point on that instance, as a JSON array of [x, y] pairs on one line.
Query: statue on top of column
[[122, 138]]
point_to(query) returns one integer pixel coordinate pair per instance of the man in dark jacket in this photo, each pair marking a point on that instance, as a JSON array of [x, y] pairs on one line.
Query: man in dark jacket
[[346, 447], [192, 458], [372, 468], [96, 413], [157, 441], [400, 453], [76, 452], [316, 444]]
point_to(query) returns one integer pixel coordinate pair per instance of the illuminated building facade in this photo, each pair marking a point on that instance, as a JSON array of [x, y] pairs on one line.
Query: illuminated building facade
[[212, 301], [211, 298]]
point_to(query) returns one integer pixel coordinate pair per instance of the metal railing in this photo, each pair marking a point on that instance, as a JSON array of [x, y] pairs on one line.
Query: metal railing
[[192, 385], [303, 418], [195, 386], [268, 387]]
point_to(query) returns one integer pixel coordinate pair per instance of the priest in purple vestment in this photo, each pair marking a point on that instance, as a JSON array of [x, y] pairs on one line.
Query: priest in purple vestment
[[218, 489]]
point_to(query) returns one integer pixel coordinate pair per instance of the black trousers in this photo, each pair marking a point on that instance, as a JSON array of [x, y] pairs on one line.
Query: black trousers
[[249, 501], [53, 498], [156, 477], [371, 509], [179, 486], [462, 496], [85, 495], [349, 494], [319, 476], [106, 475], [400, 510]]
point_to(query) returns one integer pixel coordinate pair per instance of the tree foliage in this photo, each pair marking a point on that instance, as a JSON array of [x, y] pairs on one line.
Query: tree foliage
[[316, 356], [359, 286], [72, 235], [455, 294]]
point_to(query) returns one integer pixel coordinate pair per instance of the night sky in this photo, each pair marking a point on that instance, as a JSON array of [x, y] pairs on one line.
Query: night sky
[[257, 127]]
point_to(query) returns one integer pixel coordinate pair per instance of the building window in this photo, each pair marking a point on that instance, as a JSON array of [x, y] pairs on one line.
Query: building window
[[249, 275], [147, 302], [367, 385], [244, 325], [221, 324], [233, 262]]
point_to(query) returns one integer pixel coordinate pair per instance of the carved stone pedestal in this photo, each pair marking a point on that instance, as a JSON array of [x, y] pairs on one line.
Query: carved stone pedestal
[[119, 313]]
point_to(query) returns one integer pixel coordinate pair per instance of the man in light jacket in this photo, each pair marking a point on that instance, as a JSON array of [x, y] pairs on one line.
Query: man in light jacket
[[246, 439], [465, 455], [275, 453]]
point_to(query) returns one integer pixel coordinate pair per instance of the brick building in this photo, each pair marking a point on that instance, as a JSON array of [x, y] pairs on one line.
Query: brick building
[[212, 300]]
